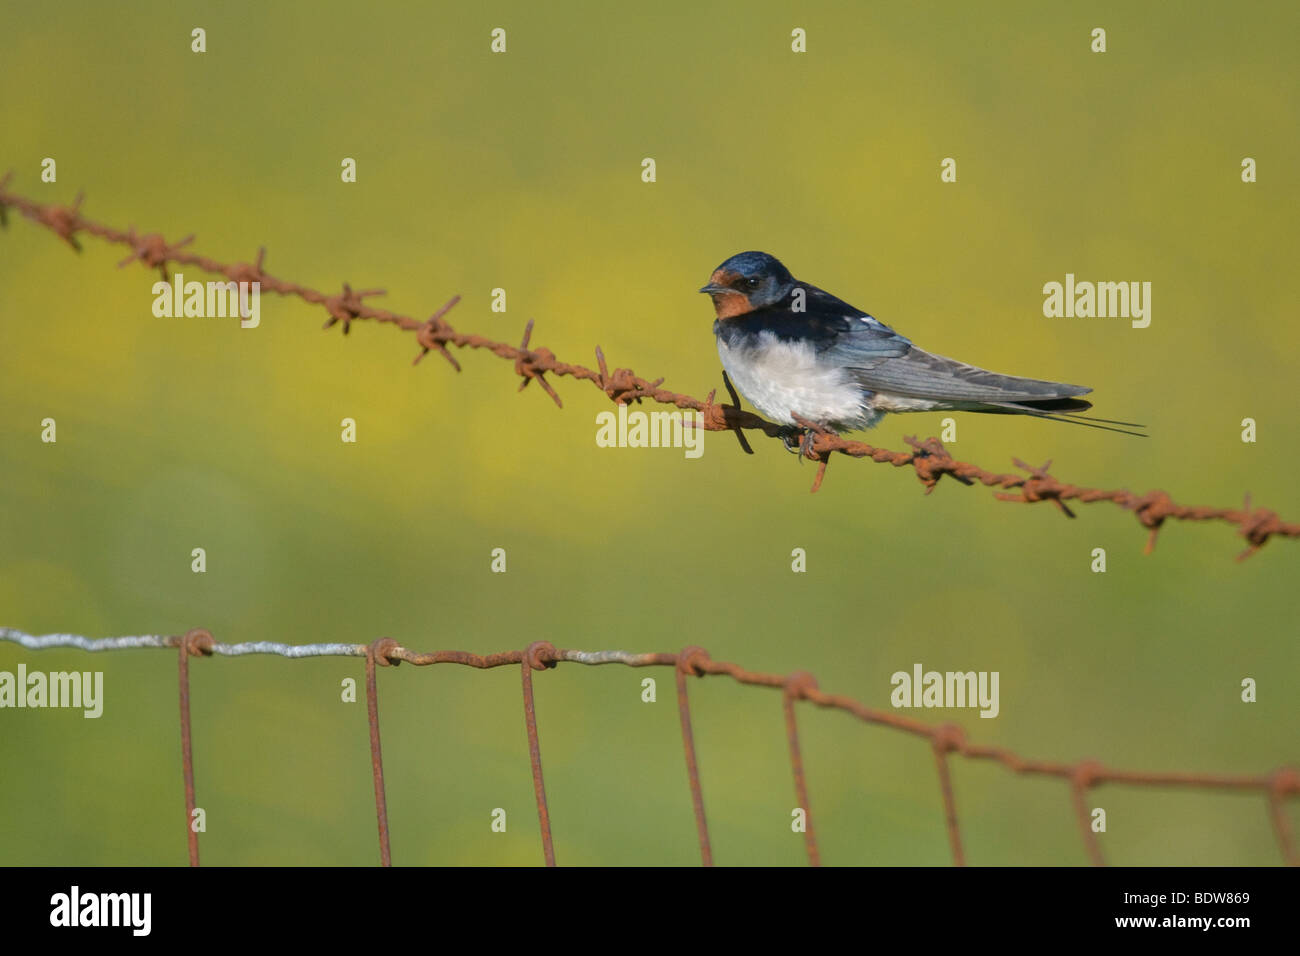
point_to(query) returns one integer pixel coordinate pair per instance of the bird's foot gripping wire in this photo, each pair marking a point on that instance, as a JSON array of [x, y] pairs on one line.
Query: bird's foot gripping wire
[[798, 440], [806, 431]]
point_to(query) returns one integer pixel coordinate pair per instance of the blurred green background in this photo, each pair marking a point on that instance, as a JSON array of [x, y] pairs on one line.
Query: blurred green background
[[522, 171]]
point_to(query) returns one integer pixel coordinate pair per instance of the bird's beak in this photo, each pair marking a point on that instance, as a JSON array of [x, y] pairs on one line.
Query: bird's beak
[[721, 282]]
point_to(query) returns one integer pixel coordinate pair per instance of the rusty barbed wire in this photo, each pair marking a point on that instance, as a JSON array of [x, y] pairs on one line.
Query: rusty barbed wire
[[1277, 786], [929, 459]]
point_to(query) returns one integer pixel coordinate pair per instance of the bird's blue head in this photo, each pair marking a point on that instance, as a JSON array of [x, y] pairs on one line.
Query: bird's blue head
[[748, 281]]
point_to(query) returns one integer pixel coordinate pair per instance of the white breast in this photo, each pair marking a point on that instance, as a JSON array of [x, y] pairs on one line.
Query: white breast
[[778, 377]]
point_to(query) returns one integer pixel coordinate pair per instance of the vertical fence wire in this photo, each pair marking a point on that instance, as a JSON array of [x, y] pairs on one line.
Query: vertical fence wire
[[684, 666], [795, 686], [378, 650], [1080, 786], [537, 656], [1284, 782], [945, 738], [194, 642]]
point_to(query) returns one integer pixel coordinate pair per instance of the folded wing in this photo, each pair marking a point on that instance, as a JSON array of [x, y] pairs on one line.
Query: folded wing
[[921, 374]]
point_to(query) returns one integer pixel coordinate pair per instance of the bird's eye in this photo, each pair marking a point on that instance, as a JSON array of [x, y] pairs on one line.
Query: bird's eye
[[753, 282]]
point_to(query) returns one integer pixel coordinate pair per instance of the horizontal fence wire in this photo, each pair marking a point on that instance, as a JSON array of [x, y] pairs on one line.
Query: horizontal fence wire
[[1277, 786], [929, 459]]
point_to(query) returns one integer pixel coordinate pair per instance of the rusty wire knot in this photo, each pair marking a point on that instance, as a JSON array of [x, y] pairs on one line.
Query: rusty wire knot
[[347, 305], [541, 655], [1151, 510], [531, 365], [691, 660], [153, 250], [1285, 780], [623, 386], [798, 685], [197, 642], [249, 272], [64, 221], [948, 738], [381, 650], [718, 417], [1041, 486], [616, 386], [931, 461], [434, 334], [1257, 526], [1086, 774]]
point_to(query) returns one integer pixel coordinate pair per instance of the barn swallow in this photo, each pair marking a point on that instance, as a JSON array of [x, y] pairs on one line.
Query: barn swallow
[[795, 350]]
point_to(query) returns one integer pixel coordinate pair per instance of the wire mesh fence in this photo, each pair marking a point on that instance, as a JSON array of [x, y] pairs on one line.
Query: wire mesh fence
[[945, 740]]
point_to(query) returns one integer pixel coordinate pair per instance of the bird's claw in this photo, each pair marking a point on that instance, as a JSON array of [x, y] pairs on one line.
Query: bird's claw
[[806, 437]]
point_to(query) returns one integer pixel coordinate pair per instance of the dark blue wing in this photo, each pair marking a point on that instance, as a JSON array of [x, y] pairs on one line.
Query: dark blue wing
[[841, 334]]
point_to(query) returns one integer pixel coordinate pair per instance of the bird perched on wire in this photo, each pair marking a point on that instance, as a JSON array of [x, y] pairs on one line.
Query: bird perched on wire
[[797, 352]]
